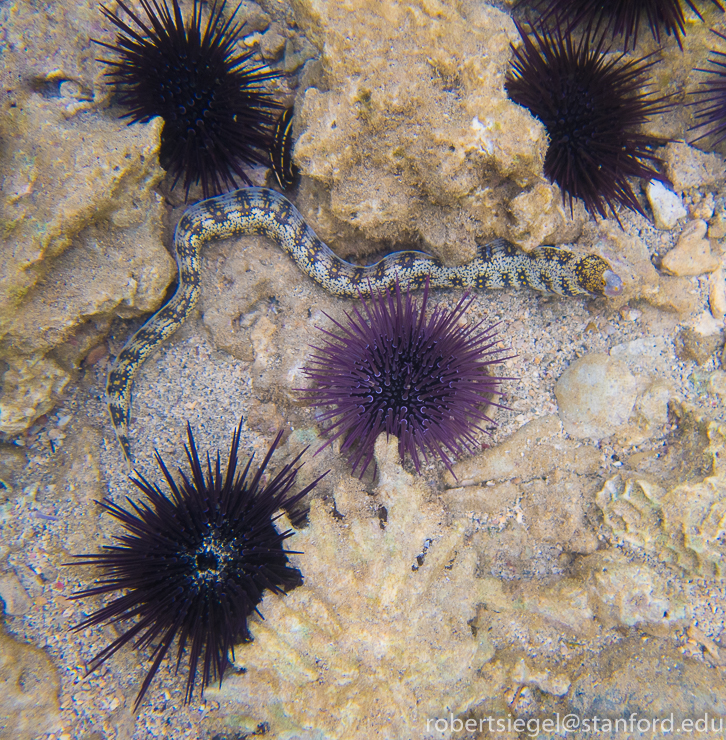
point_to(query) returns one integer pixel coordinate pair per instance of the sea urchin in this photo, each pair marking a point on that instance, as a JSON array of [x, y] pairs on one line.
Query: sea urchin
[[194, 565], [423, 381], [217, 112], [591, 106], [623, 17], [711, 98]]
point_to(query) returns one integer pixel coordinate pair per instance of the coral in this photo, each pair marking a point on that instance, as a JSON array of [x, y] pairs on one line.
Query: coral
[[377, 638], [393, 625], [409, 129]]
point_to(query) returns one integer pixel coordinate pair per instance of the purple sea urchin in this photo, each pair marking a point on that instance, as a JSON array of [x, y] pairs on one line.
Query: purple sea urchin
[[391, 370], [711, 98], [218, 115], [591, 106], [194, 565], [622, 17]]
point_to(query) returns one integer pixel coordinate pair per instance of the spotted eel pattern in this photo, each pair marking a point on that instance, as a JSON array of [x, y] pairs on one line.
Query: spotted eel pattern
[[498, 264]]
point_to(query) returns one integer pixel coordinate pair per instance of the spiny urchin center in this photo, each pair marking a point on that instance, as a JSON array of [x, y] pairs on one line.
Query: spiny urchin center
[[212, 558], [402, 386]]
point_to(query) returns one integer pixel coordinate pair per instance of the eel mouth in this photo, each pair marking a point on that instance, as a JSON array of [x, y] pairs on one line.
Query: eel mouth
[[613, 284]]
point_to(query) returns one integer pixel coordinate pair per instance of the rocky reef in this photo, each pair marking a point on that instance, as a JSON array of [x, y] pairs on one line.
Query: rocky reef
[[82, 237], [574, 564]]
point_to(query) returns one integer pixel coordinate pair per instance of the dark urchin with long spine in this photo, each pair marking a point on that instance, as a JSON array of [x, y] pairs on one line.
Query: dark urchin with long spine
[[592, 106], [621, 17], [194, 565], [710, 100], [392, 370], [218, 115]]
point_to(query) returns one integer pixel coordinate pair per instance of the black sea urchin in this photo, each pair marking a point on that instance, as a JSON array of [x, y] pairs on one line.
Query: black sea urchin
[[711, 98], [591, 106], [194, 565], [622, 17], [217, 113], [423, 381]]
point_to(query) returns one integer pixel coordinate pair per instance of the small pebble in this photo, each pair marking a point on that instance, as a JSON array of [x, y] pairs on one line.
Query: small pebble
[[667, 206], [717, 226], [717, 384], [717, 294], [690, 345], [16, 599], [692, 254], [703, 209], [272, 43]]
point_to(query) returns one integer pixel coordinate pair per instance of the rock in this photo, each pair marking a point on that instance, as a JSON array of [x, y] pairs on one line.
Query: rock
[[717, 293], [87, 248], [717, 225], [644, 355], [272, 43], [30, 388], [596, 395], [688, 167], [553, 683], [12, 462], [16, 600], [81, 241], [692, 254], [703, 209], [647, 678], [534, 451], [29, 691], [691, 345], [717, 384], [667, 206], [651, 411], [675, 508], [630, 258], [626, 594]]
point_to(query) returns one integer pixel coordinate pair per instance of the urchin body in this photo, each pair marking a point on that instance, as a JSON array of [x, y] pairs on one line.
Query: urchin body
[[193, 565], [218, 115], [592, 106], [392, 370]]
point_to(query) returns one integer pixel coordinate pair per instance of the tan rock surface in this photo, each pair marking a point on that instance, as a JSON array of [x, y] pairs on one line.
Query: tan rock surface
[[692, 255]]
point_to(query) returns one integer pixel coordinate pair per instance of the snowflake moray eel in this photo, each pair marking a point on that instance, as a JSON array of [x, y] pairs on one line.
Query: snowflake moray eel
[[497, 264]]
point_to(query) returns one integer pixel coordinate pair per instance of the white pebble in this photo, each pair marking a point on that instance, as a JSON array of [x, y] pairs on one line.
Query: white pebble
[[667, 206]]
